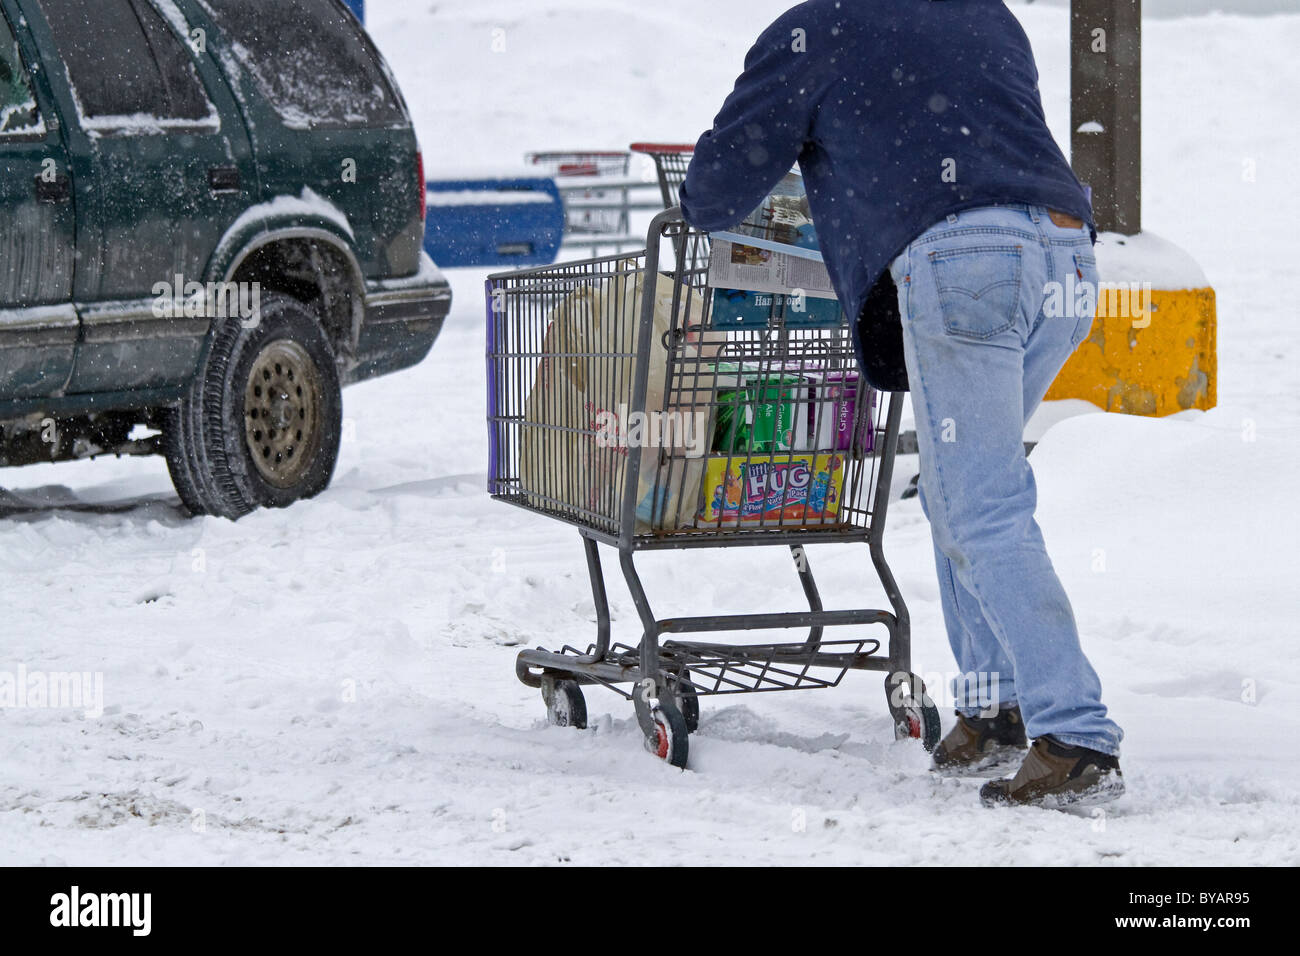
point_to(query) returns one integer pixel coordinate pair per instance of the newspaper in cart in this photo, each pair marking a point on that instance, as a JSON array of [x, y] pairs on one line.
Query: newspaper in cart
[[770, 267]]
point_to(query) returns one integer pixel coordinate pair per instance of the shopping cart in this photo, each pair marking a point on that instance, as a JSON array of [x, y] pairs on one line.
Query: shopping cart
[[623, 402], [671, 162], [594, 186]]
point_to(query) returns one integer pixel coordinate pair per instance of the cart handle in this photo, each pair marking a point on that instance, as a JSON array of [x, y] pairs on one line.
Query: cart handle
[[653, 149]]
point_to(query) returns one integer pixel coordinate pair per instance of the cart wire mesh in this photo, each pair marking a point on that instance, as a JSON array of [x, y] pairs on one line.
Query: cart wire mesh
[[711, 670], [624, 399]]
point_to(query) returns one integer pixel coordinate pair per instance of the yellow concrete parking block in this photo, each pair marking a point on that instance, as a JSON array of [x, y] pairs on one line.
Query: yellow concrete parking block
[[1156, 359]]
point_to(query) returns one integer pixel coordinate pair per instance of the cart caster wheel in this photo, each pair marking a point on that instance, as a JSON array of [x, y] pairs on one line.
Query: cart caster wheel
[[919, 722], [688, 701], [671, 738], [915, 716], [565, 705]]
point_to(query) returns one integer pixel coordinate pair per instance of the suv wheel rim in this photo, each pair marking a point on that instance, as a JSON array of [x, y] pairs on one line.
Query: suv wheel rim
[[282, 412]]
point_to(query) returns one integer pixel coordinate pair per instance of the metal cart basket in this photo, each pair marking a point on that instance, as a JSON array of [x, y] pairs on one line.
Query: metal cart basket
[[624, 401], [671, 162], [593, 185]]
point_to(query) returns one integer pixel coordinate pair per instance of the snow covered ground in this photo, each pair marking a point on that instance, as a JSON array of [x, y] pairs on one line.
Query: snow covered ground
[[334, 683]]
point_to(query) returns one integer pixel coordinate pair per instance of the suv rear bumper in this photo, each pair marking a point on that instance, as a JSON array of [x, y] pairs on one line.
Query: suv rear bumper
[[402, 320]]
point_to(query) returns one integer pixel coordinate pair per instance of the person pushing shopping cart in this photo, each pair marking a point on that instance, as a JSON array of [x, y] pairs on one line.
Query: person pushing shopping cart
[[945, 211]]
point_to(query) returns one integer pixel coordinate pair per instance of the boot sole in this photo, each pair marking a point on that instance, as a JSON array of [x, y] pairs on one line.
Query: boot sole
[[1106, 790], [987, 765]]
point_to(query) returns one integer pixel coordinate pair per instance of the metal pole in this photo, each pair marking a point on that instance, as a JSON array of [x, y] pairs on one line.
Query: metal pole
[[1106, 108]]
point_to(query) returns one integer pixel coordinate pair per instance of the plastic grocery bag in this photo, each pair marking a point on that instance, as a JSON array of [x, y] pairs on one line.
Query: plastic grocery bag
[[578, 426]]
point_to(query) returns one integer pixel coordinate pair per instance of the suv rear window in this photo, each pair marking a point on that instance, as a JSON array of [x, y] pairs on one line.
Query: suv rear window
[[311, 61], [125, 62], [18, 114]]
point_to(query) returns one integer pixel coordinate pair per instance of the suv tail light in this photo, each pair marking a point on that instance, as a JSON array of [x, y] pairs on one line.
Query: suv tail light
[[422, 188]]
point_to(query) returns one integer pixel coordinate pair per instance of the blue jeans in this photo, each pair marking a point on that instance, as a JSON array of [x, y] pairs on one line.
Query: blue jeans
[[983, 342]]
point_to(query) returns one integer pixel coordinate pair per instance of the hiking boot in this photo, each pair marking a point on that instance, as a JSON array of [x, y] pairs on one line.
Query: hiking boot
[[1057, 775], [980, 743]]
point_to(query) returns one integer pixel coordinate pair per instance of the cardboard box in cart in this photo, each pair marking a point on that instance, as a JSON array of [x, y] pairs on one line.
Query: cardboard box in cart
[[834, 412], [795, 407], [760, 412], [783, 489]]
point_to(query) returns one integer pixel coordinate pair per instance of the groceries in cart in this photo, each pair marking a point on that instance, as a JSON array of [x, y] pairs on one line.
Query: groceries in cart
[[802, 409], [800, 489], [710, 427], [575, 454], [780, 443], [740, 424], [719, 438]]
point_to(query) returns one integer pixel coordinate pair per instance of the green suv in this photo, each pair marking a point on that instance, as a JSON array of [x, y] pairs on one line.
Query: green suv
[[211, 214]]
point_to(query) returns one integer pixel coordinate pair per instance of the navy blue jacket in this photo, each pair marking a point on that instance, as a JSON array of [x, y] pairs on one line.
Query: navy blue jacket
[[898, 113]]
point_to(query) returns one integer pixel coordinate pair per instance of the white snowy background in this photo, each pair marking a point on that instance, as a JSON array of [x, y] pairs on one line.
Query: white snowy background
[[226, 648]]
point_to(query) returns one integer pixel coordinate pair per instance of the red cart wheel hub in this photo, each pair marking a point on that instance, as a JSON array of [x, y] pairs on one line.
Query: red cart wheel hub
[[662, 741]]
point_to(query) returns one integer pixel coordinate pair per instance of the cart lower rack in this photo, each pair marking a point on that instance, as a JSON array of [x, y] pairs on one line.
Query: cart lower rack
[[627, 399]]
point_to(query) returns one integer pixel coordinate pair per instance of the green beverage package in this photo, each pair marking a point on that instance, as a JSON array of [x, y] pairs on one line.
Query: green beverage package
[[773, 398], [757, 412], [733, 416]]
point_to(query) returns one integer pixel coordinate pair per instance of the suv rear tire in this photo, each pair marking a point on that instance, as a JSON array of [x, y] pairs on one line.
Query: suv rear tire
[[261, 424]]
